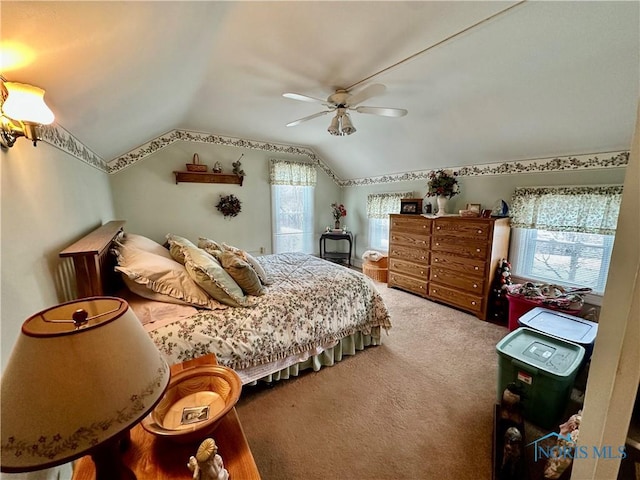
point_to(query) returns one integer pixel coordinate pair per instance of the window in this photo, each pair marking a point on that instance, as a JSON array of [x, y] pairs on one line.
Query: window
[[292, 187], [565, 234], [379, 206]]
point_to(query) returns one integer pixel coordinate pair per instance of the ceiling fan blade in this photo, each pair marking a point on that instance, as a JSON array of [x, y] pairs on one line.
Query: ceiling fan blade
[[305, 98], [367, 92], [300, 120], [383, 111]]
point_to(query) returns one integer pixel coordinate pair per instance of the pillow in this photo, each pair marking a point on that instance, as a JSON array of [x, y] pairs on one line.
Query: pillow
[[210, 246], [209, 275], [257, 266], [241, 253], [162, 275], [176, 244], [243, 273], [144, 243], [216, 249], [145, 292]]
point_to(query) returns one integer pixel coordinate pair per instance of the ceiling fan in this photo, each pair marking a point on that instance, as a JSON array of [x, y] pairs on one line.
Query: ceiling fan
[[341, 102]]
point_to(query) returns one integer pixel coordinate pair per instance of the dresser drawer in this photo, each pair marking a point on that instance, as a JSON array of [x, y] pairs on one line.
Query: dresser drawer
[[409, 268], [455, 279], [460, 246], [463, 227], [410, 239], [468, 266], [408, 283], [411, 254], [454, 297], [413, 224]]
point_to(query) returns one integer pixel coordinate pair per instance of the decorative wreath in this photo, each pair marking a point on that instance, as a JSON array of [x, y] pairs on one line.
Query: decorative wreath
[[229, 205]]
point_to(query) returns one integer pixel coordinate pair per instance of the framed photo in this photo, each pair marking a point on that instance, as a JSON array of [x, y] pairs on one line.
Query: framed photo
[[474, 207], [412, 206]]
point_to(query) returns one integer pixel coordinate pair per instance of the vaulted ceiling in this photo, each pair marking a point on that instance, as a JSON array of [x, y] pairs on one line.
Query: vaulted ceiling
[[540, 79]]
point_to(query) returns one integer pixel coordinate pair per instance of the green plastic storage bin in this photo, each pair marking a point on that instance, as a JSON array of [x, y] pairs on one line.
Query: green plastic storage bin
[[544, 367]]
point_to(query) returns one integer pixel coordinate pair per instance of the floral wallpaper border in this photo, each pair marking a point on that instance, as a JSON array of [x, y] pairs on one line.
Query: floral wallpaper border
[[556, 164], [156, 144], [62, 139]]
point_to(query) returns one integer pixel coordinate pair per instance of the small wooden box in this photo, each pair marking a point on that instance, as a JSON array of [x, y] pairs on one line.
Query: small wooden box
[[411, 206]]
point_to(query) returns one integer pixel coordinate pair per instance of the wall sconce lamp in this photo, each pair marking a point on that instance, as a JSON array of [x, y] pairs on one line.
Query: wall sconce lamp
[[341, 124], [21, 112], [79, 377]]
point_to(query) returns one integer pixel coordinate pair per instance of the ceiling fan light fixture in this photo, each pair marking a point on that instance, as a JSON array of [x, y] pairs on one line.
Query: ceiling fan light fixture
[[334, 127], [347, 126]]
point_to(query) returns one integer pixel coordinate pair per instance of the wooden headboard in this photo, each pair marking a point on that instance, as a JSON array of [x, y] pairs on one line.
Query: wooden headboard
[[92, 262]]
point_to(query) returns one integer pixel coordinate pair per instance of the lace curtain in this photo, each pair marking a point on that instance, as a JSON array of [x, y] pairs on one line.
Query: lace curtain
[[285, 172], [380, 205], [589, 209]]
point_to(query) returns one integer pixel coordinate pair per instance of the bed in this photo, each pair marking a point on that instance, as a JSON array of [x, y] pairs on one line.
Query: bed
[[312, 313]]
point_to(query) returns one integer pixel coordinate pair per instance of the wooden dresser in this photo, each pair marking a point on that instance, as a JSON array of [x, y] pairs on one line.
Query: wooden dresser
[[450, 259]]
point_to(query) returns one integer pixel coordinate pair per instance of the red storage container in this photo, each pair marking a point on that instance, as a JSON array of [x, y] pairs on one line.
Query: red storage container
[[518, 306]]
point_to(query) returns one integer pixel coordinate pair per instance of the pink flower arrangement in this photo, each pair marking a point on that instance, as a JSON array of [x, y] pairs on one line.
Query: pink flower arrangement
[[338, 211]]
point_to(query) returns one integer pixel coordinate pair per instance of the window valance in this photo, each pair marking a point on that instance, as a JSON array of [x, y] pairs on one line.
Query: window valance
[[286, 172], [586, 209], [380, 205]]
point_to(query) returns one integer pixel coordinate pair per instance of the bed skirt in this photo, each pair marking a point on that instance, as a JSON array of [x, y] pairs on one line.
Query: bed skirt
[[322, 357]]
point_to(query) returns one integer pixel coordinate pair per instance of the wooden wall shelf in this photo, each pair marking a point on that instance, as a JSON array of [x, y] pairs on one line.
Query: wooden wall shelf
[[207, 177]]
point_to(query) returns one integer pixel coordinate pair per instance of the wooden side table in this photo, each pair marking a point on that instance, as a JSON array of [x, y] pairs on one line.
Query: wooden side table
[[336, 255], [151, 458]]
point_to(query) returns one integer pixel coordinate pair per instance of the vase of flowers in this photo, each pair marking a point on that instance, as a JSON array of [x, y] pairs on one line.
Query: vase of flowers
[[338, 211], [443, 185]]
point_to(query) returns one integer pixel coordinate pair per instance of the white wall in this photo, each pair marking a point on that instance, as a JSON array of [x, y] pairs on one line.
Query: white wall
[[147, 197], [49, 200]]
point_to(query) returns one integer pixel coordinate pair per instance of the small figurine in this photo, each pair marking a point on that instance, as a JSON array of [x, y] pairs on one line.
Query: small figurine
[[207, 464], [237, 167], [511, 454], [217, 167]]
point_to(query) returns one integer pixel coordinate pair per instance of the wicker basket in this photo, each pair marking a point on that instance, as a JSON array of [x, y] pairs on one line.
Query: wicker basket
[[196, 166], [376, 270], [379, 274]]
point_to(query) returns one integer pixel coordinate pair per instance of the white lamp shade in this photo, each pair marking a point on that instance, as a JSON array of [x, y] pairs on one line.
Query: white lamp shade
[[65, 391], [26, 103]]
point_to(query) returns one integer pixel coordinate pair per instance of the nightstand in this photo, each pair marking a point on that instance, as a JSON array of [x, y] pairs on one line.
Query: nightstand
[[336, 256], [151, 458]]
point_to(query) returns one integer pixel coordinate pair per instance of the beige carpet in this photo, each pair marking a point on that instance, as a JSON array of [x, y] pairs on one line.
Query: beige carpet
[[418, 407]]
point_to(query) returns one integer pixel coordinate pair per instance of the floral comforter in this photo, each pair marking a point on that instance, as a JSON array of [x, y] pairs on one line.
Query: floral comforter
[[311, 303]]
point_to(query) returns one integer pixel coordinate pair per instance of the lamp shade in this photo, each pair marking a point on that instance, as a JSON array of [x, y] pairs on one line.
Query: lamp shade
[[347, 126], [26, 103], [69, 387]]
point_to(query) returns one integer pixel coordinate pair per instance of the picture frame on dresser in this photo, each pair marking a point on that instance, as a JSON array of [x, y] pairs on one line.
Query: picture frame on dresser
[[474, 207], [411, 206]]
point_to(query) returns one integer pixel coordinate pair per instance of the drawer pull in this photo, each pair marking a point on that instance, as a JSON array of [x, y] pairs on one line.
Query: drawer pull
[[475, 285], [479, 231], [435, 276], [477, 249], [421, 272], [422, 258], [437, 243], [436, 260], [424, 226], [473, 303], [434, 290], [475, 268], [437, 228]]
